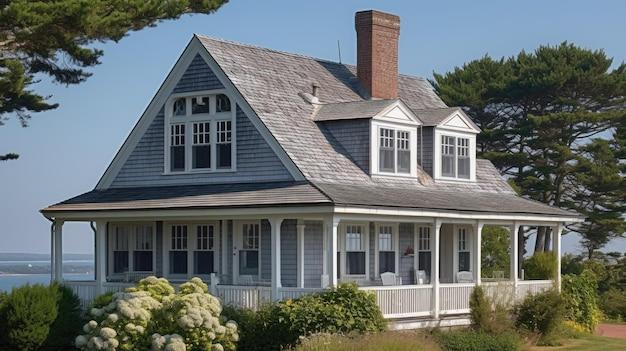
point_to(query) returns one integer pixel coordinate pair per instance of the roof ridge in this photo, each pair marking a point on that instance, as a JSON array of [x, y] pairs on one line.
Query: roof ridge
[[233, 42]]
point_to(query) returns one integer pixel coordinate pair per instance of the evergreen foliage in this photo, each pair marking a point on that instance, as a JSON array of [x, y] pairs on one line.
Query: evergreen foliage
[[56, 38], [495, 250], [540, 266], [539, 113], [27, 314]]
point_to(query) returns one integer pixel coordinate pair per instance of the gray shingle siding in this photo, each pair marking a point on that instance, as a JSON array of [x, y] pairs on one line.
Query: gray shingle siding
[[427, 154], [313, 253], [406, 262], [288, 253], [198, 76], [256, 161], [353, 139]]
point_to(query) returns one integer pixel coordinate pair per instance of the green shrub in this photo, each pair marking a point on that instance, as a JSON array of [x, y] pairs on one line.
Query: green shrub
[[580, 299], [68, 322], [487, 315], [102, 300], [541, 265], [152, 316], [343, 310], [613, 304], [541, 313], [28, 313], [465, 340]]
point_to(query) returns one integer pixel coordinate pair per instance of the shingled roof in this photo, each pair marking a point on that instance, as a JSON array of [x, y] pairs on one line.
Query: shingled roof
[[272, 82]]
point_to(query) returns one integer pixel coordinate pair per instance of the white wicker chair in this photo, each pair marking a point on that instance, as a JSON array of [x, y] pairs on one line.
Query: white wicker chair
[[464, 277], [390, 279]]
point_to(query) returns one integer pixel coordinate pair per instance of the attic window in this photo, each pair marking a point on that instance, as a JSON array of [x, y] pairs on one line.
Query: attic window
[[199, 133], [455, 157], [223, 103], [394, 151]]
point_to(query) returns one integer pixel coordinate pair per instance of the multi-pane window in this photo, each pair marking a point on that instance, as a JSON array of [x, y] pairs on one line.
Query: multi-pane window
[[463, 157], [201, 149], [132, 247], [464, 252], [404, 152], [355, 250], [424, 252], [200, 104], [386, 250], [177, 147], [224, 140], [199, 134], [179, 108], [120, 249], [178, 249], [387, 148], [448, 156], [249, 253], [204, 251], [222, 103], [144, 246], [455, 157], [394, 151]]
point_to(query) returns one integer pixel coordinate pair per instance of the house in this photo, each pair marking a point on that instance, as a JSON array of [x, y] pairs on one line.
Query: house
[[272, 175]]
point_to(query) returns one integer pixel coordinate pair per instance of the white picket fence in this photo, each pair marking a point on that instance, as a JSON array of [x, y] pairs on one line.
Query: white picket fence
[[403, 301]]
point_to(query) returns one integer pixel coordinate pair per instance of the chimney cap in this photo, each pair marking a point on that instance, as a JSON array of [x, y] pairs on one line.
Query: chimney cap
[[378, 18]]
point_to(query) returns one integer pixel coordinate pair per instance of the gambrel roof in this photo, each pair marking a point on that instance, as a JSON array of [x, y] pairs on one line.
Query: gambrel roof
[[271, 84]]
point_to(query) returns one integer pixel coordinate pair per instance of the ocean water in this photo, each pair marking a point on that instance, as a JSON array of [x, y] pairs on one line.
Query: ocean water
[[10, 281]]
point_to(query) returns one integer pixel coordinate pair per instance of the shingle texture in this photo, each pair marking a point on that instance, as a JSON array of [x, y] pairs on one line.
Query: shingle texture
[[195, 196], [271, 82], [350, 110]]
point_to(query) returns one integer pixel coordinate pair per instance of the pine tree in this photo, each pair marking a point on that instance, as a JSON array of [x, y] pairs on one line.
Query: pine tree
[[56, 38], [540, 109]]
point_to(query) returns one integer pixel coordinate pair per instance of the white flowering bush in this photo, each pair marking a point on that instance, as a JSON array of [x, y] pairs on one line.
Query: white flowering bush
[[153, 316]]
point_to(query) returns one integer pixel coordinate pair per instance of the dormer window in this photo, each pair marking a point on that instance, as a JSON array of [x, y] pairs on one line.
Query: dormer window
[[455, 157], [199, 133], [395, 150]]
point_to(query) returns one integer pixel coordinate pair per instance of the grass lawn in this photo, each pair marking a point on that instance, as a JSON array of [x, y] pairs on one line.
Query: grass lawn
[[589, 343]]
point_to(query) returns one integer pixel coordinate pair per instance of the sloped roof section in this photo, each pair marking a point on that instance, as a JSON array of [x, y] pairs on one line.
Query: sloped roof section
[[350, 110], [436, 199], [195, 196], [270, 82]]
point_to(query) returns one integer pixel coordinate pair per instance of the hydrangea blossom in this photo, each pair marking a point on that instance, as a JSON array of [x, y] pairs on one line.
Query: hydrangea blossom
[[153, 316]]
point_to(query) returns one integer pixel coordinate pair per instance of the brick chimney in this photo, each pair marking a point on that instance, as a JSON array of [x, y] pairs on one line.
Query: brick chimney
[[377, 52]]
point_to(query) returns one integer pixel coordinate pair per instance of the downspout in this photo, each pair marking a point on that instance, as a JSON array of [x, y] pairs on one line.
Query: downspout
[[95, 251]]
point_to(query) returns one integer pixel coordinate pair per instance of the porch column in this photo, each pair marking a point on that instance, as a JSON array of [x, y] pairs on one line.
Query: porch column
[[101, 255], [300, 230], [435, 267], [514, 254], [333, 241], [225, 254], [478, 227], [557, 231], [58, 251], [275, 252]]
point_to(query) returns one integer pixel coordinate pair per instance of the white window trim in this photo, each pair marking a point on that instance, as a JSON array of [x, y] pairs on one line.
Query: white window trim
[[395, 237], [437, 155], [375, 126], [131, 247], [455, 247], [191, 248], [212, 117], [238, 243], [342, 249]]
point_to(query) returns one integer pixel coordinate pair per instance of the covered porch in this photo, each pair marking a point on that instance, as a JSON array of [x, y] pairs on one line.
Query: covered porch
[[417, 264]]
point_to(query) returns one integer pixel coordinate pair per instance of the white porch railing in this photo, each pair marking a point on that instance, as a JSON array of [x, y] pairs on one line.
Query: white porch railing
[[244, 296], [454, 298], [294, 293], [403, 301]]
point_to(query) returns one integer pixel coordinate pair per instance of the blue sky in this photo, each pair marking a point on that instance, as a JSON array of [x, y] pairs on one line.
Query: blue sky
[[64, 152]]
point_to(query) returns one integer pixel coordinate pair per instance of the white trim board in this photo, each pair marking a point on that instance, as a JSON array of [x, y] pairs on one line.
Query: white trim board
[[162, 95]]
